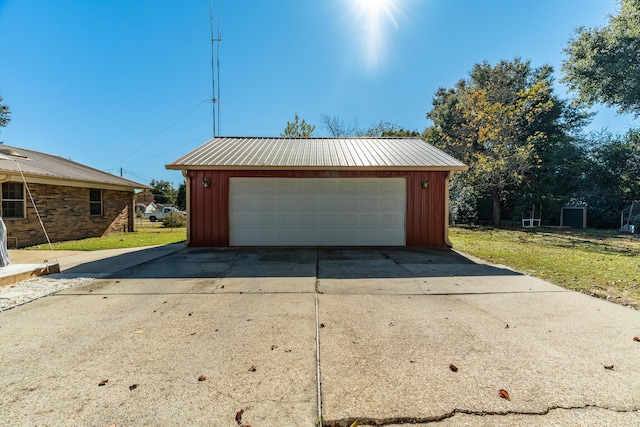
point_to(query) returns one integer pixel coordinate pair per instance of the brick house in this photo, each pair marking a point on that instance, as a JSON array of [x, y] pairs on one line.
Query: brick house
[[74, 201]]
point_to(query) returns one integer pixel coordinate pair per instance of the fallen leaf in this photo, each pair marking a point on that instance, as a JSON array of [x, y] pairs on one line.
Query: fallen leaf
[[133, 386], [239, 415], [192, 333], [322, 325], [249, 320], [636, 339], [252, 368], [103, 382], [504, 394], [222, 287], [453, 367], [391, 324], [609, 367], [273, 347], [105, 297], [288, 350], [202, 378], [190, 314], [355, 424]]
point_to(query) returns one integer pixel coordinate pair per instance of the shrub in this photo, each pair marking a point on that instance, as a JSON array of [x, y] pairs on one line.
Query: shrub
[[174, 220]]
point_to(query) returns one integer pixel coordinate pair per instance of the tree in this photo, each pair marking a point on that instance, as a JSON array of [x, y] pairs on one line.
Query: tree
[[389, 130], [603, 65], [163, 192], [337, 128], [181, 196], [611, 178], [298, 129], [501, 121], [5, 114]]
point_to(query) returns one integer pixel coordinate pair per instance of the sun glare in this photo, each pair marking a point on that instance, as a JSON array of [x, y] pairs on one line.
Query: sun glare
[[373, 18]]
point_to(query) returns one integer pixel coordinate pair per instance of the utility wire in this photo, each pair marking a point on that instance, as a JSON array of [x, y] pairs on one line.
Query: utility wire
[[198, 138], [161, 132]]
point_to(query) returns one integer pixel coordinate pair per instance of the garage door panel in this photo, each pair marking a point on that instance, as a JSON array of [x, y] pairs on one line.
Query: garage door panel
[[348, 204], [368, 204], [328, 186], [390, 204], [348, 186], [306, 186], [390, 186], [306, 204], [327, 203], [328, 220], [265, 186], [312, 212]]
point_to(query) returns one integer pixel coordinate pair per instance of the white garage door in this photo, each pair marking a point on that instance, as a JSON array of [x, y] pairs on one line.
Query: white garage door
[[317, 211]]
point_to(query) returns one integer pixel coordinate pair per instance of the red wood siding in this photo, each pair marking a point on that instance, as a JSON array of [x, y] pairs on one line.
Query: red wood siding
[[209, 207]]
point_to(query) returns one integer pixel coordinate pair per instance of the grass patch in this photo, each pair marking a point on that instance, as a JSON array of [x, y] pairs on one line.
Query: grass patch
[[598, 262], [146, 234]]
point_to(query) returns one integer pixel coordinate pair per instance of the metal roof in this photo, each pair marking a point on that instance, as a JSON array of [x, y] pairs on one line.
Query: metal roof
[[14, 160], [317, 153]]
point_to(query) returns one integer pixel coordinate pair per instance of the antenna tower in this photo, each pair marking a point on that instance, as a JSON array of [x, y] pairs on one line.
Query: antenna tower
[[216, 38]]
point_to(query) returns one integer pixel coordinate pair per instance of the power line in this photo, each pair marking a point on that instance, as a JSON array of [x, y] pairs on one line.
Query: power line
[[160, 133], [147, 158]]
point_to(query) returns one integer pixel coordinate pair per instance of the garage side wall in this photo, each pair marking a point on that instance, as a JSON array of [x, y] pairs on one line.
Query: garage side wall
[[209, 207]]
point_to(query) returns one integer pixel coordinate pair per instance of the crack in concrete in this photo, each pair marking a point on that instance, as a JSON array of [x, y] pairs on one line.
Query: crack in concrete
[[366, 421]]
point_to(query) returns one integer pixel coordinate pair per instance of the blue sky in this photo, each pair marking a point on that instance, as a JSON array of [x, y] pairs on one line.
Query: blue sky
[[127, 83]]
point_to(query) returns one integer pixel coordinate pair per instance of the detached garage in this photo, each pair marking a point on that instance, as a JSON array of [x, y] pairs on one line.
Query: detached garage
[[317, 192]]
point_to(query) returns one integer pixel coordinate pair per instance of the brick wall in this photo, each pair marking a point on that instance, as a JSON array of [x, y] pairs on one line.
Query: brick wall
[[66, 215]]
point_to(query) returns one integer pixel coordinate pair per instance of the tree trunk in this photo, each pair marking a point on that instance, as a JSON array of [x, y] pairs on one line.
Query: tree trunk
[[495, 195]]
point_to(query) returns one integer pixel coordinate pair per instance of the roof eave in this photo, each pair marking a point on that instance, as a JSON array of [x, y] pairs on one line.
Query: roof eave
[[442, 168], [68, 182]]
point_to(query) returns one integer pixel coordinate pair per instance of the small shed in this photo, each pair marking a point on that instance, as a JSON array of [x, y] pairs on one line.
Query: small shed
[[573, 216], [244, 191]]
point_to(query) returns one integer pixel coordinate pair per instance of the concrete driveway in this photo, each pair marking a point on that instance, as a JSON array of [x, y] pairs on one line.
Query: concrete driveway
[[196, 336]]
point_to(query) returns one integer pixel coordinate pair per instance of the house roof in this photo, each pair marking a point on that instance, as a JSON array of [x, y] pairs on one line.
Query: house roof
[[317, 153], [37, 166]]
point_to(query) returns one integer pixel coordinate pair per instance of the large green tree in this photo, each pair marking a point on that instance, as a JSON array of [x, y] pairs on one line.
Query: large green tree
[[501, 121], [603, 64], [298, 129], [389, 130], [611, 177], [164, 192]]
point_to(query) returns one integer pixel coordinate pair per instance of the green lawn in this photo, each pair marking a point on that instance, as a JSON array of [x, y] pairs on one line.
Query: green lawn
[[597, 262], [146, 234]]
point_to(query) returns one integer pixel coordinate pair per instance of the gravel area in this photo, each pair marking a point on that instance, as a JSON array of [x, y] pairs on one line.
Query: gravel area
[[29, 290]]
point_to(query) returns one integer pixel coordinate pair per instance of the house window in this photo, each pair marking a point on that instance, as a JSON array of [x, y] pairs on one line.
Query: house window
[[12, 200], [95, 202]]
